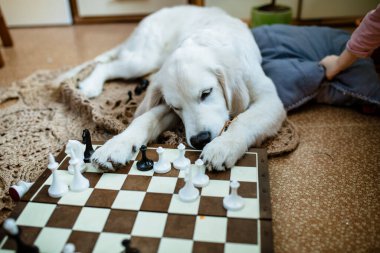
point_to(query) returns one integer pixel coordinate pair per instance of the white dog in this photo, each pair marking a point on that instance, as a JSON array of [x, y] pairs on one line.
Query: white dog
[[207, 70]]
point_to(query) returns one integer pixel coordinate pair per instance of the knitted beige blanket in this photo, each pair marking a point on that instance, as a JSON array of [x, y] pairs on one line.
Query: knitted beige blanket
[[38, 117]]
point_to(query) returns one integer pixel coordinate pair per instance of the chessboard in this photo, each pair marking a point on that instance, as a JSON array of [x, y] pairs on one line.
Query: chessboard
[[145, 208]]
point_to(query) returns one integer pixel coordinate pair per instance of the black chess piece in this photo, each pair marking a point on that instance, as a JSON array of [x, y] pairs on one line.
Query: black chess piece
[[86, 139], [141, 87], [22, 247], [129, 97], [128, 249], [144, 164]]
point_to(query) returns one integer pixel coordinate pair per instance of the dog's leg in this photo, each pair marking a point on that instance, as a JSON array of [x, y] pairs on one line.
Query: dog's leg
[[262, 119], [145, 128], [105, 57], [132, 67]]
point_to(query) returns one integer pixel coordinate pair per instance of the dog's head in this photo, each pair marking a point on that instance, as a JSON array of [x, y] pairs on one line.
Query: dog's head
[[202, 87]]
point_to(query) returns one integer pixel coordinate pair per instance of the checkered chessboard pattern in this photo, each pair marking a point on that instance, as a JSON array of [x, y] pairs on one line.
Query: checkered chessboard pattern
[[145, 207]]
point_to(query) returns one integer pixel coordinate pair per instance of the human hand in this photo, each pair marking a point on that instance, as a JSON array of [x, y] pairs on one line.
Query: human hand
[[331, 65]]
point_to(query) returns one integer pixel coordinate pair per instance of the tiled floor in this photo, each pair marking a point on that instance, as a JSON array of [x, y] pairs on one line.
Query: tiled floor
[[57, 47]]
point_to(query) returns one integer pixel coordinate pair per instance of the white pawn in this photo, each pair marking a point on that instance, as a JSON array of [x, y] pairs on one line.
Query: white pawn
[[69, 248], [200, 179], [233, 202], [188, 193], [74, 146], [10, 226], [163, 165], [79, 183], [181, 162], [18, 190], [57, 188]]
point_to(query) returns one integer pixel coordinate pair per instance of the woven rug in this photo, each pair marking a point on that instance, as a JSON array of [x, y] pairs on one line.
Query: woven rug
[[39, 117]]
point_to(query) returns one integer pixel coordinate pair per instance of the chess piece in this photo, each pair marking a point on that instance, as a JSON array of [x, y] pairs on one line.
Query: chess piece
[[163, 165], [69, 248], [18, 190], [128, 249], [141, 87], [86, 140], [57, 188], [79, 149], [200, 179], [181, 162], [144, 164], [233, 202], [14, 232], [129, 97], [79, 183], [188, 193]]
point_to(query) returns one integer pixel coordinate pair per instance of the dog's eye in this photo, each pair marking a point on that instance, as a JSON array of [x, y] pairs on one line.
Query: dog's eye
[[205, 94]]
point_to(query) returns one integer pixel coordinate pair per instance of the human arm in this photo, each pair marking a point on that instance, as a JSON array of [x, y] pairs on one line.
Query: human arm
[[363, 41]]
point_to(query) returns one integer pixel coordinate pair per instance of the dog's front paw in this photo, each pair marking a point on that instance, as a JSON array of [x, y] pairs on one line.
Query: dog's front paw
[[222, 153], [90, 87], [114, 153]]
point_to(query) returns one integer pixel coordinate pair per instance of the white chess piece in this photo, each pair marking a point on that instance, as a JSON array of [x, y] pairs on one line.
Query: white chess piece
[[57, 188], [10, 226], [188, 193], [69, 248], [200, 179], [233, 202], [181, 162], [77, 148], [18, 190], [163, 165], [79, 183]]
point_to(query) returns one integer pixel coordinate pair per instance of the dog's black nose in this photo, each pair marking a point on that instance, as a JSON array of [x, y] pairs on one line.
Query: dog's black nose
[[200, 140]]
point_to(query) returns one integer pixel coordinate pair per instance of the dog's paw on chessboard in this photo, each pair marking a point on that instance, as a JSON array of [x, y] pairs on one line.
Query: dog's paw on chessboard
[[142, 211]]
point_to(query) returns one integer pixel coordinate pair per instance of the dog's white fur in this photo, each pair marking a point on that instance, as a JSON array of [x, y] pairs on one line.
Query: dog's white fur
[[191, 50]]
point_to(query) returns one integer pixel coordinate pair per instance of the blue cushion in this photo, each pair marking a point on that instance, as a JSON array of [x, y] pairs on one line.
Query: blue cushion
[[291, 56]]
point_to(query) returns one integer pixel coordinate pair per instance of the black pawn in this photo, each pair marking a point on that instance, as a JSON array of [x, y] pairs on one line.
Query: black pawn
[[141, 86], [144, 164], [127, 244], [86, 139], [129, 96], [21, 246]]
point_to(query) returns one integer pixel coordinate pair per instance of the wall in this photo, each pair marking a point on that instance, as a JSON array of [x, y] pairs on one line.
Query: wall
[[36, 12], [312, 9]]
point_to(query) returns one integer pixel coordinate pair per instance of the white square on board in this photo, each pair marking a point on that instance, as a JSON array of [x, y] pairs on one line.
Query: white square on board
[[128, 200], [178, 206], [210, 229], [162, 184], [244, 174], [241, 248], [76, 198], [91, 219], [35, 214], [149, 224], [173, 245], [111, 181], [251, 210], [216, 188], [52, 239], [92, 169], [110, 242], [135, 171]]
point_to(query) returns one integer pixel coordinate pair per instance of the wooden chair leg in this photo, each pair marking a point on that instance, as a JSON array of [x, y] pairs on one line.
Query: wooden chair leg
[[4, 32], [1, 61]]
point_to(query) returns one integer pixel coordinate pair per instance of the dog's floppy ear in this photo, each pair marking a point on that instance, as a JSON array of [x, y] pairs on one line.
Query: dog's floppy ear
[[235, 91], [153, 97]]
